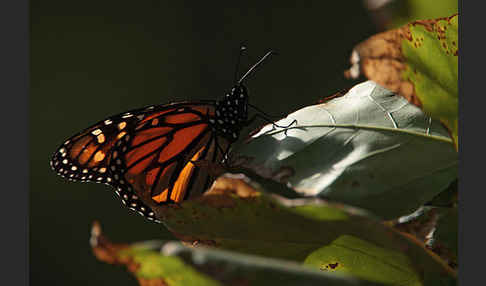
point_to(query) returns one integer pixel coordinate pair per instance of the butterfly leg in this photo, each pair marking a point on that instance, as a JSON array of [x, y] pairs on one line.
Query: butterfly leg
[[223, 152], [287, 126], [274, 125]]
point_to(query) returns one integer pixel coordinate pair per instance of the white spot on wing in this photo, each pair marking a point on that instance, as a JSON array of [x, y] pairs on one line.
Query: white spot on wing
[[96, 132]]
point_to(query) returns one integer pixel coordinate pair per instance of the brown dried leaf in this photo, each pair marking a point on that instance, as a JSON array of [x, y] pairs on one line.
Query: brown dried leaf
[[380, 59], [109, 252]]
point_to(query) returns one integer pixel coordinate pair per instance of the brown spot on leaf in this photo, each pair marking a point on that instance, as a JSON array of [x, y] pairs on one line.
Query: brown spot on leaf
[[333, 265], [355, 184], [329, 266], [431, 23], [151, 282], [337, 94], [427, 24]]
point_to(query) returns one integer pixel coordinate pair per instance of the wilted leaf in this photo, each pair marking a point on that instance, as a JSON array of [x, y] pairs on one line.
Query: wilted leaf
[[146, 263], [232, 268], [234, 215], [369, 148], [419, 61]]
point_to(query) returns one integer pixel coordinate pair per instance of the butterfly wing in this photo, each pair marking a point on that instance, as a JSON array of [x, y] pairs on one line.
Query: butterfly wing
[[145, 152], [158, 160], [85, 156]]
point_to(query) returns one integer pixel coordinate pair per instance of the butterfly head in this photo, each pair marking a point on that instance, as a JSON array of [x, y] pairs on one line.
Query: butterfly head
[[232, 112]]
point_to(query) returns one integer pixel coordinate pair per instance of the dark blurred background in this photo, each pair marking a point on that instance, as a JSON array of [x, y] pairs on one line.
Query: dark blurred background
[[92, 59]]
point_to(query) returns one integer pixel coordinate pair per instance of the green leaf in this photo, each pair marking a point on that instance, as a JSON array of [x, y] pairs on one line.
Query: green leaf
[[369, 148], [235, 216], [431, 53], [348, 254], [232, 268], [419, 61], [401, 12]]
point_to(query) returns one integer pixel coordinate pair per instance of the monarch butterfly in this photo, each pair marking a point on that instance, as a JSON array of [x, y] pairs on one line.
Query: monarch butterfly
[[150, 152]]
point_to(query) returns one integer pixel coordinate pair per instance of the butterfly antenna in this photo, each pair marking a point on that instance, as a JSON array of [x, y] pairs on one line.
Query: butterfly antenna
[[242, 49], [255, 66]]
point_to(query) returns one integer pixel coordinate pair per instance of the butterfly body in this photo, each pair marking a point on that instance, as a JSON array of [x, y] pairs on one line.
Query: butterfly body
[[232, 112], [149, 155]]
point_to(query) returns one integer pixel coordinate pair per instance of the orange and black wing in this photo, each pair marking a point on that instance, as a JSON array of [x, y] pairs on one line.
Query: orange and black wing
[[146, 152], [157, 161]]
